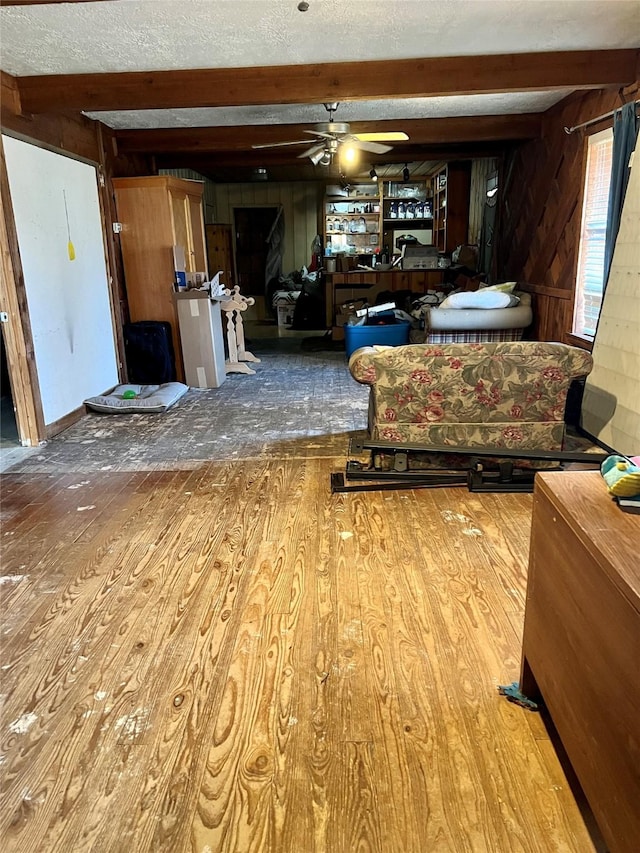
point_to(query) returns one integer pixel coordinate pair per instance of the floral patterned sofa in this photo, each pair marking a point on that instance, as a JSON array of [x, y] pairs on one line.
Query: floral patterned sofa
[[504, 395]]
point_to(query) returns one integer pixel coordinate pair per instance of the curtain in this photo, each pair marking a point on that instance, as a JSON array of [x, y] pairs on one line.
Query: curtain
[[625, 132], [275, 241]]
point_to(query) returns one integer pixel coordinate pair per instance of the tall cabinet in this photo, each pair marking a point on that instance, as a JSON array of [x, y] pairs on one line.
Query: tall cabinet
[[220, 252], [451, 191], [157, 214]]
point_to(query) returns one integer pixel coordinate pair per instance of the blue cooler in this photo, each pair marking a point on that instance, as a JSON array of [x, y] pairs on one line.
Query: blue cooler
[[390, 333]]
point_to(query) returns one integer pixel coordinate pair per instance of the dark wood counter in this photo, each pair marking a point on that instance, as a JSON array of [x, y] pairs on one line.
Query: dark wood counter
[[581, 646], [344, 286]]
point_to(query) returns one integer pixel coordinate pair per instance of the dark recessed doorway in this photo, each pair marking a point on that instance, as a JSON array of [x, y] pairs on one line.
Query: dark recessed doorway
[[253, 227]]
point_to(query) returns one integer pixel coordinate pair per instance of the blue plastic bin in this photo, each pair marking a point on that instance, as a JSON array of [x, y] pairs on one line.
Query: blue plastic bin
[[387, 335]]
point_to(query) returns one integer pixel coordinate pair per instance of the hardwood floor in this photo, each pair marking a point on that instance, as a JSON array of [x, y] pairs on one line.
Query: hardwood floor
[[232, 659]]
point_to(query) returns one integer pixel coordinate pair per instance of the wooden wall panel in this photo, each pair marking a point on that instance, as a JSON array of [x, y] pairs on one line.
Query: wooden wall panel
[[301, 202], [72, 133], [541, 209]]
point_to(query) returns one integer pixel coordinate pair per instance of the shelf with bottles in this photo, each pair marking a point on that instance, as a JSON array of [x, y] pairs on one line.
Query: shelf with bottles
[[353, 207], [411, 200], [356, 243], [352, 224], [393, 210]]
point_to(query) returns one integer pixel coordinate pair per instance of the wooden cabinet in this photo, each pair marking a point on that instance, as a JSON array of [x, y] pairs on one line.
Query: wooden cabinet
[[581, 644], [344, 287], [220, 252], [158, 213], [451, 191]]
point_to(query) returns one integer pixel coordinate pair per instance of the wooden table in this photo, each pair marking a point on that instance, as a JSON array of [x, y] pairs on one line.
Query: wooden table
[[581, 645]]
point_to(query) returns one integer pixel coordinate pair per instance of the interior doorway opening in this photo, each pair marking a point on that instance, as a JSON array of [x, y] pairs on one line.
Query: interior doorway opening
[[8, 425], [253, 226]]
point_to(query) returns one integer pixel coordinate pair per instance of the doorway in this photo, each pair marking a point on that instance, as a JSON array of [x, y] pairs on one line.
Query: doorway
[[253, 227], [8, 426]]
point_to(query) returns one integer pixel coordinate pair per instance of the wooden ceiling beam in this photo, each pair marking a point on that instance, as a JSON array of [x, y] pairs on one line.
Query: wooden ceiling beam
[[242, 138], [287, 157], [47, 2], [318, 83]]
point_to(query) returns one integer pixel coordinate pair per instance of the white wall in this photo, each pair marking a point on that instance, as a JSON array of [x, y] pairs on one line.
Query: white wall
[[68, 300]]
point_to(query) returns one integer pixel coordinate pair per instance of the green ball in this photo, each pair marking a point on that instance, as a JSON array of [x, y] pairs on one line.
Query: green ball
[[129, 394]]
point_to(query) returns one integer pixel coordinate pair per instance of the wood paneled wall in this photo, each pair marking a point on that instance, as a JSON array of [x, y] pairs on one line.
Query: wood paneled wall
[[301, 202], [541, 208]]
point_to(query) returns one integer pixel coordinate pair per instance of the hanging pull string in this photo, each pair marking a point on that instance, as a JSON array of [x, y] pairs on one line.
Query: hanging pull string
[[70, 247]]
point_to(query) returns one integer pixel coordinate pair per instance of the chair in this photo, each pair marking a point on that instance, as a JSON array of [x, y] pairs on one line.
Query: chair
[[508, 395]]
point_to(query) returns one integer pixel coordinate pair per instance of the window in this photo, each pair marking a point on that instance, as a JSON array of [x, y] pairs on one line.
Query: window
[[589, 282]]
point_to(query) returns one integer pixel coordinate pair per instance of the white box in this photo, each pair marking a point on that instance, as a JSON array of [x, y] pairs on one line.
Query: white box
[[285, 314]]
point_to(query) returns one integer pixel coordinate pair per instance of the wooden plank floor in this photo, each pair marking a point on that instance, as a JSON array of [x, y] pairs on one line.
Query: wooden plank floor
[[233, 659]]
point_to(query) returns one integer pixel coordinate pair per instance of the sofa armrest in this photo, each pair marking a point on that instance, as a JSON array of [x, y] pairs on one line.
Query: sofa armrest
[[362, 365]]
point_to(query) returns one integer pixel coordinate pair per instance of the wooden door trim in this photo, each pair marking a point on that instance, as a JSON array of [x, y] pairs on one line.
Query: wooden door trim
[[108, 215], [18, 337]]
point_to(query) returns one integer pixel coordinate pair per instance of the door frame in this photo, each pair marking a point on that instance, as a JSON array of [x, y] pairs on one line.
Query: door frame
[[18, 339]]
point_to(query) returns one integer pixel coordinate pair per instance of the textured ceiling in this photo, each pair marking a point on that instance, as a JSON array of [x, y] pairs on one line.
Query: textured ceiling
[[144, 35], [467, 105]]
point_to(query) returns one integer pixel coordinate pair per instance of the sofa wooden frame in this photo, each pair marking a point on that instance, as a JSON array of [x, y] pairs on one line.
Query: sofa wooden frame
[[508, 477]]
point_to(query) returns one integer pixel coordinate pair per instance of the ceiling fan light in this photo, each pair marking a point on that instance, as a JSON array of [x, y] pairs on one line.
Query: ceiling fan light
[[317, 156], [325, 160], [348, 153]]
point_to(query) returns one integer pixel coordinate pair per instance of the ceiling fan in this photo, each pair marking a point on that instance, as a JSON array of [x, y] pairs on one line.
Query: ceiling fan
[[332, 134]]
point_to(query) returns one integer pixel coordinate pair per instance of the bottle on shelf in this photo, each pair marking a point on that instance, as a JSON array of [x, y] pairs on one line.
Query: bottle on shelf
[[402, 210], [393, 210]]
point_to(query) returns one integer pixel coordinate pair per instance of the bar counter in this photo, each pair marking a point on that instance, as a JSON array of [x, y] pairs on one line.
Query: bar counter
[[341, 287]]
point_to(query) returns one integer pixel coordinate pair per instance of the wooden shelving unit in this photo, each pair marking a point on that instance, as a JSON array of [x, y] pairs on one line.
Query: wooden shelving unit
[[407, 206], [352, 222], [451, 188]]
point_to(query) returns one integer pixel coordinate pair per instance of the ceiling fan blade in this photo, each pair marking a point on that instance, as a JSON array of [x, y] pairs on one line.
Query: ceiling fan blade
[[279, 144], [389, 136], [315, 149], [373, 147], [321, 134]]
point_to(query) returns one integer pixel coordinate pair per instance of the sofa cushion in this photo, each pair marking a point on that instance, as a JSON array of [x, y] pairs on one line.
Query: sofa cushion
[[504, 287], [479, 299]]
